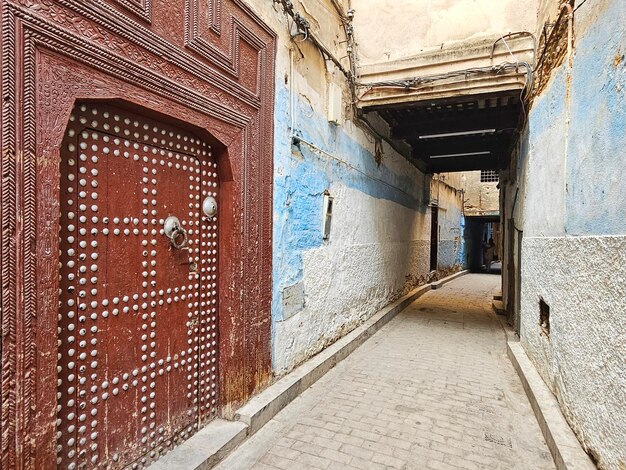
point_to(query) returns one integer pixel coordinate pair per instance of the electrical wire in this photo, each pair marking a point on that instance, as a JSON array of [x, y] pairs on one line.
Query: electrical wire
[[379, 136], [304, 27], [411, 84], [511, 36], [299, 140], [342, 15], [525, 88], [580, 5], [414, 83]]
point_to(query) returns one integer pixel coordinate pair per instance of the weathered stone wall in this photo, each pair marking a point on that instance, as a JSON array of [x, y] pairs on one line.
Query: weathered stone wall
[[404, 28], [449, 199], [571, 208], [582, 358], [480, 198], [378, 247]]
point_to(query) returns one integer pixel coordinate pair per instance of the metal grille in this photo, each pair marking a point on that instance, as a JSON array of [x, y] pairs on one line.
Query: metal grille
[[138, 346], [489, 176]]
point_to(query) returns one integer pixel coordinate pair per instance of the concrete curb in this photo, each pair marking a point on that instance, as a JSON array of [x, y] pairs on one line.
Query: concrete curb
[[212, 443], [205, 448], [441, 282], [563, 444], [260, 409], [263, 407]]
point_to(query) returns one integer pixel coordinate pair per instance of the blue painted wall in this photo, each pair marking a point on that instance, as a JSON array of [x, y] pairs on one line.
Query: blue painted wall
[[596, 161], [544, 205], [573, 193], [576, 134], [302, 173], [461, 254]]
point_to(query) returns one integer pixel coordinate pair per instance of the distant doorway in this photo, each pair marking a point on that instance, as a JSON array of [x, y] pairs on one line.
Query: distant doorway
[[434, 236], [478, 232], [492, 243]]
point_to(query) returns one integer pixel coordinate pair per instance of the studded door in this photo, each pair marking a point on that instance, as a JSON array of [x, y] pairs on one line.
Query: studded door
[[137, 362]]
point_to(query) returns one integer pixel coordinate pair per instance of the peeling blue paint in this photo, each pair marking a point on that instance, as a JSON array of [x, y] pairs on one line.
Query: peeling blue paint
[[302, 173], [577, 129], [595, 200]]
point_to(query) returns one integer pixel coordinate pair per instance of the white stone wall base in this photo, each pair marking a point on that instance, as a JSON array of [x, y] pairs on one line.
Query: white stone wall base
[[564, 447]]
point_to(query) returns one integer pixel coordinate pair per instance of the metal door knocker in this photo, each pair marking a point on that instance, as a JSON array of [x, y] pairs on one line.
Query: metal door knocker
[[174, 231]]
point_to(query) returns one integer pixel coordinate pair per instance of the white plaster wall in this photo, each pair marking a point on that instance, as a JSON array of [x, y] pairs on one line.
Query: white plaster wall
[[377, 251], [379, 247], [583, 280], [455, 179], [395, 29]]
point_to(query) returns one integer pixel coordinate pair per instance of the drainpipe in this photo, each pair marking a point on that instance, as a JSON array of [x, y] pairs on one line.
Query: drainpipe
[[292, 88]]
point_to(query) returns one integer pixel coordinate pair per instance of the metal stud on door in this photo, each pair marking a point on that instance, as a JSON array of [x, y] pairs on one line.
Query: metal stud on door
[[137, 362]]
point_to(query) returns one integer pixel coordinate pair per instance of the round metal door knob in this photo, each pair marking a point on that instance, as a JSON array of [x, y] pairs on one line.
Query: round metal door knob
[[209, 206]]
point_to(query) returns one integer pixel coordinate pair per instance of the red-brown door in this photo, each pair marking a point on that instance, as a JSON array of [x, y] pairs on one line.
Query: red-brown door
[[137, 362]]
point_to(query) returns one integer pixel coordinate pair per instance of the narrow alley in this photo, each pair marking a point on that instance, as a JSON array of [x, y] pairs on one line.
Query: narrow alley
[[331, 234], [432, 389]]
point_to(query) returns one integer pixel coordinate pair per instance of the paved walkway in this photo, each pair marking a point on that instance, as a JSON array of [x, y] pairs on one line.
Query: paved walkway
[[433, 389]]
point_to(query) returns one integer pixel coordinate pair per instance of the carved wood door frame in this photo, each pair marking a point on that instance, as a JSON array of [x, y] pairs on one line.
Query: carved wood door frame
[[204, 64]]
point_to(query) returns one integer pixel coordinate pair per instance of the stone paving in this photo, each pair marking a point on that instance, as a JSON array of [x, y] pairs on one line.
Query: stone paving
[[433, 389]]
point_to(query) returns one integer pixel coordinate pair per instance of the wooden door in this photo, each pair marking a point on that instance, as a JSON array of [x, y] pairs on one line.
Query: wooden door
[[434, 237], [137, 360]]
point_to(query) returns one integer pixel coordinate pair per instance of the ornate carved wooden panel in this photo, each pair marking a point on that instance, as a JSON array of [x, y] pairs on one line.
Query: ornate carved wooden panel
[[58, 53], [213, 31], [142, 8]]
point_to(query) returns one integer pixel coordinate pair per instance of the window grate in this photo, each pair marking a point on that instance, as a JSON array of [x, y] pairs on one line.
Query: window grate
[[489, 176]]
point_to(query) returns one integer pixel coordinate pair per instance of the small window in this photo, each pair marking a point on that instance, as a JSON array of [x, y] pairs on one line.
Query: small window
[[489, 176], [544, 316]]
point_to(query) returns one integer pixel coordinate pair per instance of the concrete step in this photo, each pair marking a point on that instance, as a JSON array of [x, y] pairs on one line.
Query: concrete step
[[498, 307]]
